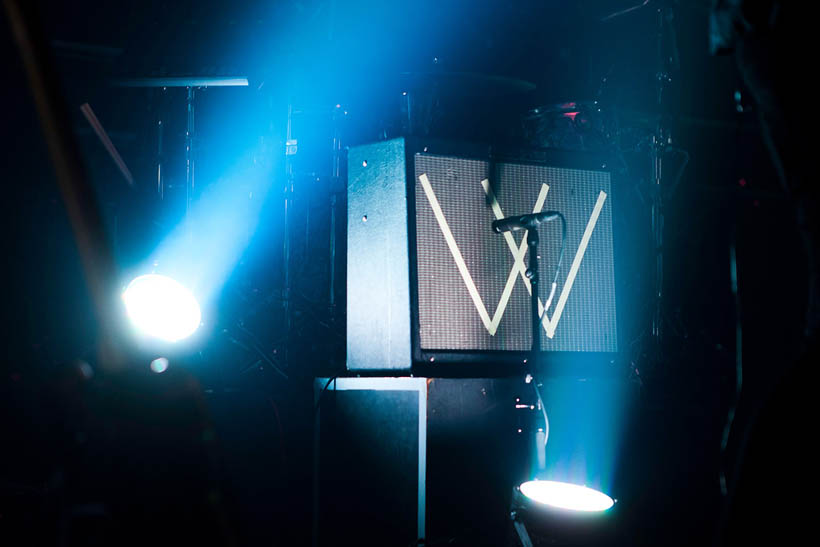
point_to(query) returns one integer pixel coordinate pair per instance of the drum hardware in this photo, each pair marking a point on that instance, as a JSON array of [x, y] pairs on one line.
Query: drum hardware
[[190, 83], [472, 84], [337, 184], [571, 125], [433, 104], [299, 185], [668, 64], [291, 149]]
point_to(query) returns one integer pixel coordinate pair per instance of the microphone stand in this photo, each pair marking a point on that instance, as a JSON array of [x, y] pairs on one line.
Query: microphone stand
[[530, 223], [519, 528], [532, 275]]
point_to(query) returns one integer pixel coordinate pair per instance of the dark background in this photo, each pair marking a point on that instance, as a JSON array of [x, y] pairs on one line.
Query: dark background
[[59, 455]]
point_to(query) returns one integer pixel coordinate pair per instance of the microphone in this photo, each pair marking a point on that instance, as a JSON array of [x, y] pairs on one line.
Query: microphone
[[523, 222]]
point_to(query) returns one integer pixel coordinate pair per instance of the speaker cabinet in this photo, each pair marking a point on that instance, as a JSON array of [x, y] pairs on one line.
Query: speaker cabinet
[[371, 461], [432, 289]]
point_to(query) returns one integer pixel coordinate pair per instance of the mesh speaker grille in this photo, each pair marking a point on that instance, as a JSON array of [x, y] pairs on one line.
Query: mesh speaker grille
[[452, 201]]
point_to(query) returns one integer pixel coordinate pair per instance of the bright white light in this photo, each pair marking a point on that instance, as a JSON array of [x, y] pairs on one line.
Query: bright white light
[[159, 365], [566, 496], [161, 308]]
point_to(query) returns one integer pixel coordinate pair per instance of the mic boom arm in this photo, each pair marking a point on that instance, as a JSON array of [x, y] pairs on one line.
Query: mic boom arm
[[524, 222]]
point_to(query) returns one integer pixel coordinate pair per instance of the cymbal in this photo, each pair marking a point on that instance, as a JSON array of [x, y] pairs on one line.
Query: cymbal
[[468, 83]]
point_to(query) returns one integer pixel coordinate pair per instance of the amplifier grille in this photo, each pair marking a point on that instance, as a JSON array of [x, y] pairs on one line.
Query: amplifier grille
[[471, 295]]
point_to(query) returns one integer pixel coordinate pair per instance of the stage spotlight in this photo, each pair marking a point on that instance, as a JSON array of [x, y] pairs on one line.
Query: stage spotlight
[[160, 307], [564, 495], [574, 448]]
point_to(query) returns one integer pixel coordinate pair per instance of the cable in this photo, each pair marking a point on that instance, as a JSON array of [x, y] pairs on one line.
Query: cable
[[624, 11], [558, 264], [546, 307], [543, 410], [673, 187], [322, 393], [281, 430], [730, 417]]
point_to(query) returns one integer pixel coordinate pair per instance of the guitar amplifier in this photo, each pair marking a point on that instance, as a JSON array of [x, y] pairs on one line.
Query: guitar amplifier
[[431, 286]]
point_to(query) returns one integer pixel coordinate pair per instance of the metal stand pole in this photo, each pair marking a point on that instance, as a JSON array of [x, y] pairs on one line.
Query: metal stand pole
[[657, 233], [290, 151], [160, 159], [189, 153], [332, 273], [519, 536], [667, 62], [657, 191], [336, 183], [532, 275], [535, 352]]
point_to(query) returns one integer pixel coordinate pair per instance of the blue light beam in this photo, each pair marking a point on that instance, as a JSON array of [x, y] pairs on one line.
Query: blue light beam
[[203, 249]]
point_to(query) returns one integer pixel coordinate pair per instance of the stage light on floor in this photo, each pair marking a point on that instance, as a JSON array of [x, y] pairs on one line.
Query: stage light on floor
[[161, 307], [574, 447], [564, 495]]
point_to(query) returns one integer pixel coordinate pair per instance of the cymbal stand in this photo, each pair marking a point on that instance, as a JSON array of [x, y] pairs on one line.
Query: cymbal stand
[[336, 183], [189, 152], [291, 147], [668, 62]]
